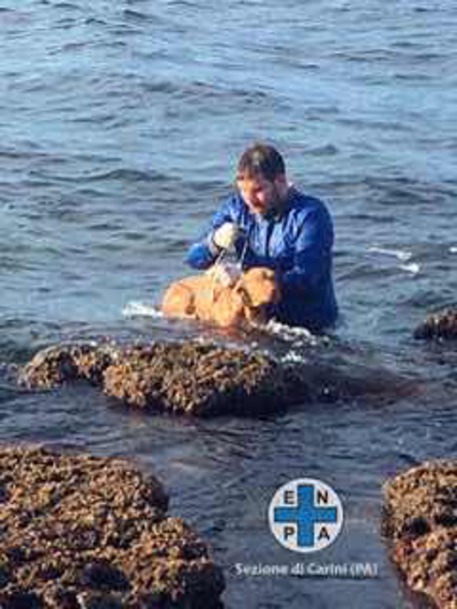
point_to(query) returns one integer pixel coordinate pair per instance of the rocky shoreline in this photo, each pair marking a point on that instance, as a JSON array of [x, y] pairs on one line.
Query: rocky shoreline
[[84, 504], [80, 532], [420, 519]]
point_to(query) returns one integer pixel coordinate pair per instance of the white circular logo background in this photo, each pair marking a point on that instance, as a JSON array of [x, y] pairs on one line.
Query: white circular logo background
[[305, 515]]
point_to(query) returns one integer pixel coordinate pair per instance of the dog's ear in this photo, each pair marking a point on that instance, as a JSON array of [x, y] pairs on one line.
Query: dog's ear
[[241, 290]]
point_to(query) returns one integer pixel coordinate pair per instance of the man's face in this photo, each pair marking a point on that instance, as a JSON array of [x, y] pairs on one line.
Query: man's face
[[261, 195]]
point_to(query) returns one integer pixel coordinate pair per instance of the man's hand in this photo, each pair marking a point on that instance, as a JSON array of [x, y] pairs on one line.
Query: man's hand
[[225, 236]]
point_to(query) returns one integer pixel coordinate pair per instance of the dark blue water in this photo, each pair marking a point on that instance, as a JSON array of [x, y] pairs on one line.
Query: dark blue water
[[120, 124]]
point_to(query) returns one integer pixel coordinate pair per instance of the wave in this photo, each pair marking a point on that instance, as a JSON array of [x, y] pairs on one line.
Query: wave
[[412, 268], [402, 255], [128, 175]]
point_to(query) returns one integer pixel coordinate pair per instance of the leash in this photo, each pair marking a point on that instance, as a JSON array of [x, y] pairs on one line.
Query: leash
[[224, 253], [243, 252], [212, 284]]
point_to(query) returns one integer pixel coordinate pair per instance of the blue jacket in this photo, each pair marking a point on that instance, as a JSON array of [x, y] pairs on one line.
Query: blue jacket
[[297, 244]]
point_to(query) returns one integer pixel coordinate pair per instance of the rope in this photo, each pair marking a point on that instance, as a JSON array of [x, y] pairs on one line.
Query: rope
[[223, 254]]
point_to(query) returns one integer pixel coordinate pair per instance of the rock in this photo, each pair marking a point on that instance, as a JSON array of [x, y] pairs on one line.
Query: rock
[[441, 325], [200, 380], [49, 368], [101, 574], [180, 378], [20, 600], [60, 364], [420, 518], [82, 531], [59, 598], [89, 600]]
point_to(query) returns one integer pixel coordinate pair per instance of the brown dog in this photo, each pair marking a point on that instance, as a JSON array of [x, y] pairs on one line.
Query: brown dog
[[205, 298]]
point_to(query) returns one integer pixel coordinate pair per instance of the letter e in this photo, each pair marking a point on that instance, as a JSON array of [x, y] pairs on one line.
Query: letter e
[[289, 497]]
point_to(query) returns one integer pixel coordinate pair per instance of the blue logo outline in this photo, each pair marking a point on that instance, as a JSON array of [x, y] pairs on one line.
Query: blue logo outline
[[297, 503]]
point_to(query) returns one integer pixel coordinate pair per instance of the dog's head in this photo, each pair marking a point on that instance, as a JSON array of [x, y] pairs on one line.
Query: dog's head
[[260, 287]]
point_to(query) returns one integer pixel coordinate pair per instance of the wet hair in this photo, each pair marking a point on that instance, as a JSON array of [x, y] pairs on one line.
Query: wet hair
[[260, 160]]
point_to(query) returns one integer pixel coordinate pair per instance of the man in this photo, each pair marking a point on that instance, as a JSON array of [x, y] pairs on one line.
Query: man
[[270, 223]]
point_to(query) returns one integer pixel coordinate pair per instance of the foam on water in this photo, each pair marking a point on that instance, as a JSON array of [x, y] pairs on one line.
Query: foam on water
[[401, 255], [293, 357], [141, 309], [412, 268], [295, 335]]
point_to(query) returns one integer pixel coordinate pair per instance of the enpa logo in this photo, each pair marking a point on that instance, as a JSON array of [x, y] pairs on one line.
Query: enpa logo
[[305, 515]]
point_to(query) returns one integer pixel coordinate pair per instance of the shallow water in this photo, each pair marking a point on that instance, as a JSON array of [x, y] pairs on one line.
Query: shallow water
[[120, 124]]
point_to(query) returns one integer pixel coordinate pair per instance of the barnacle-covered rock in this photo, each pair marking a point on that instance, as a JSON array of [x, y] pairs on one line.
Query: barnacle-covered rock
[[49, 368], [421, 519], [82, 531], [441, 325], [60, 364], [189, 377], [201, 379]]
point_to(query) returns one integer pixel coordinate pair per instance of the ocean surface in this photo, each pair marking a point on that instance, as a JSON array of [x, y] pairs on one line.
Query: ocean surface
[[120, 125]]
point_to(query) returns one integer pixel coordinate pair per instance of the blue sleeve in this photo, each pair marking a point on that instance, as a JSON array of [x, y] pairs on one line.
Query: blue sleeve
[[312, 253], [204, 252]]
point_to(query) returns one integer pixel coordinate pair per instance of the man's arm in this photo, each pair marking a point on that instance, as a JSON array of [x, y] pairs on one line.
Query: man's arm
[[312, 256], [202, 254]]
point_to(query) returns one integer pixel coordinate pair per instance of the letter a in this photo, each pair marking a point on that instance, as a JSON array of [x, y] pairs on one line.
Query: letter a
[[323, 534]]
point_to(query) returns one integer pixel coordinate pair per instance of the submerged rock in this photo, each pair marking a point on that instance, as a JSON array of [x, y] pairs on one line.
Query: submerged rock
[[421, 520], [82, 531], [192, 378], [441, 325]]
